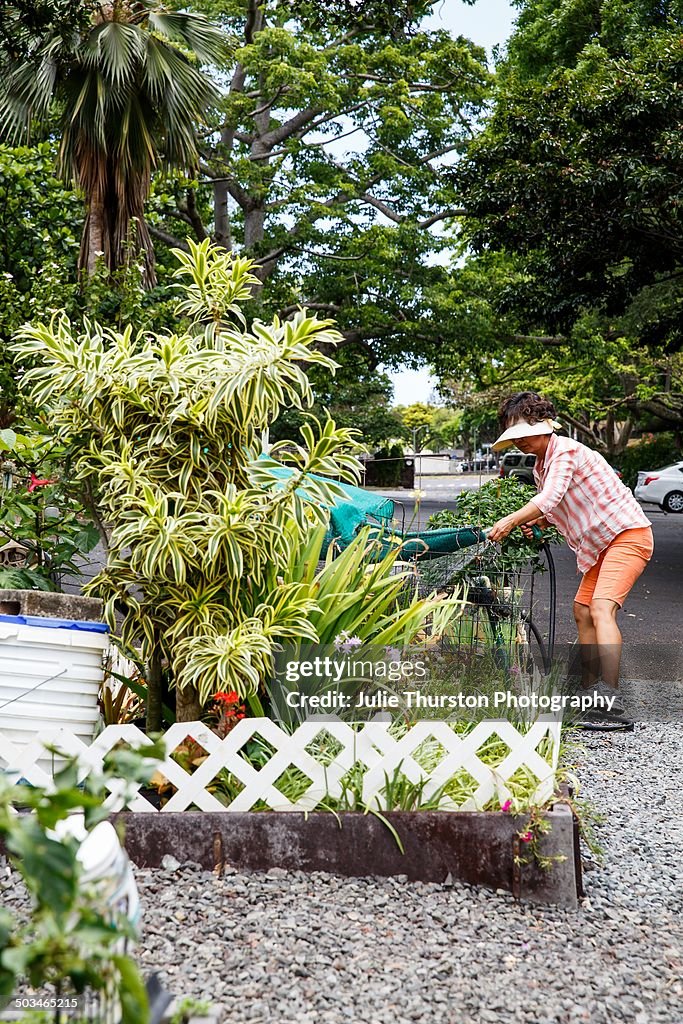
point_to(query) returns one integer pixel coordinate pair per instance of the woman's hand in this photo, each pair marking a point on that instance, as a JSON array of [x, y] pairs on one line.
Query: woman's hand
[[499, 531], [541, 523]]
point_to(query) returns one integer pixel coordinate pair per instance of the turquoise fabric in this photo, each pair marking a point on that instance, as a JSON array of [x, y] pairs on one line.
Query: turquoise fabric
[[359, 508], [349, 514]]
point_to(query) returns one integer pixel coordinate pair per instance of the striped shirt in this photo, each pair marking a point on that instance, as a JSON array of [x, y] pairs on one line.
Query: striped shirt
[[580, 494]]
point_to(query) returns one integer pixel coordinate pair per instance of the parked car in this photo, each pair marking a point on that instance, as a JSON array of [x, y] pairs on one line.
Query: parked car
[[663, 487], [516, 464]]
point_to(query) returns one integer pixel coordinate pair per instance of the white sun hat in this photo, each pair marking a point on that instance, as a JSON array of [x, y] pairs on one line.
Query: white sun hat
[[523, 429]]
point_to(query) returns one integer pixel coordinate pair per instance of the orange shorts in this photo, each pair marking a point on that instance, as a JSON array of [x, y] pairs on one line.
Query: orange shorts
[[618, 567]]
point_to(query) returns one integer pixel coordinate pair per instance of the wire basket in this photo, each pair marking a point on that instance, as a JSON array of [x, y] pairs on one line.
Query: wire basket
[[507, 613]]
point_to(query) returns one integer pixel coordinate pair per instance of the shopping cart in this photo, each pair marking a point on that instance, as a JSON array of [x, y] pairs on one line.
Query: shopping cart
[[506, 614]]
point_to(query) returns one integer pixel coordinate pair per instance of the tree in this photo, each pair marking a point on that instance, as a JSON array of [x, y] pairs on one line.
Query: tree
[[354, 396], [325, 162], [581, 177], [573, 202], [123, 82], [446, 428], [417, 419], [164, 434], [550, 35], [603, 379]]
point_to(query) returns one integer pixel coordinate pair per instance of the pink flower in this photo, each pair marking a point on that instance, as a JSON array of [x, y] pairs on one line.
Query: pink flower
[[36, 482], [527, 837], [507, 806]]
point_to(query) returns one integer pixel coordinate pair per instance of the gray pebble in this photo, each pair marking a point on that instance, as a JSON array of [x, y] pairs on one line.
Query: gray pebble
[[287, 947]]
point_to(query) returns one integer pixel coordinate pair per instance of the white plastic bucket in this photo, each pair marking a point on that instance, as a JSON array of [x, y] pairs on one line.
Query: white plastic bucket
[[51, 671], [107, 877]]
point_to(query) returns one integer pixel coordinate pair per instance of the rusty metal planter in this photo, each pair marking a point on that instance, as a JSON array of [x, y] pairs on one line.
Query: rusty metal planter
[[475, 847]]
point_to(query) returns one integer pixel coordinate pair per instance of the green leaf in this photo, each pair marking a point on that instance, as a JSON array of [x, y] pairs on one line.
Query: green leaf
[[132, 992], [48, 867]]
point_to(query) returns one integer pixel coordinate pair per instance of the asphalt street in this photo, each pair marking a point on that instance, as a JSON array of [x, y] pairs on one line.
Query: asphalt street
[[652, 618]]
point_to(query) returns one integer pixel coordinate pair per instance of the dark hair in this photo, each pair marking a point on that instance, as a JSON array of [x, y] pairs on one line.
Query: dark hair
[[525, 405]]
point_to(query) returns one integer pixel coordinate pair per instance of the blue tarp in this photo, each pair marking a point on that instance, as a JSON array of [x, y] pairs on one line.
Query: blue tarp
[[360, 508], [347, 515]]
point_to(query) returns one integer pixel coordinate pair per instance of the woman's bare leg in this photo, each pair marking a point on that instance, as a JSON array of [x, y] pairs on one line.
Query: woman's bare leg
[[588, 644], [603, 613]]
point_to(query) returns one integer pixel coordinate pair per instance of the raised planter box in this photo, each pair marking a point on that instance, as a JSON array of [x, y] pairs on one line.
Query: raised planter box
[[474, 847], [481, 848]]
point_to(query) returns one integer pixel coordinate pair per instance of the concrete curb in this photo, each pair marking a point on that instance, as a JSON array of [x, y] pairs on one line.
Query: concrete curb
[[480, 848]]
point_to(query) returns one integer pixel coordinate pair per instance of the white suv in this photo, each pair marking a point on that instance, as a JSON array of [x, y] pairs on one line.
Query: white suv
[[663, 487]]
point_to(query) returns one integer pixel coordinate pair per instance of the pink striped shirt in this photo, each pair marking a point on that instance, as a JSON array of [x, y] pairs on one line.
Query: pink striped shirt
[[580, 494]]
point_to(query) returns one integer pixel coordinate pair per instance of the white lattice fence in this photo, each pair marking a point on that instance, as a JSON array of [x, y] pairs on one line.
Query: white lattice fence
[[380, 754]]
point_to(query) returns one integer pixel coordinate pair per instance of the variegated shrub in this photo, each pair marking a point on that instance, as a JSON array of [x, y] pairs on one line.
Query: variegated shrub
[[165, 435]]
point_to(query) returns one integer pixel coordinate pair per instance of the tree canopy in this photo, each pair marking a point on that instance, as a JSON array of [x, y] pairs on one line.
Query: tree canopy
[[572, 232], [582, 177], [325, 161]]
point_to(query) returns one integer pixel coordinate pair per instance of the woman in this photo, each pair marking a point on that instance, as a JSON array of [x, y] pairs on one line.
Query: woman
[[580, 494]]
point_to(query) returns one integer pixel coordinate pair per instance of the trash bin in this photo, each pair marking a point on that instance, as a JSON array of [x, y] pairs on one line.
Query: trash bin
[[51, 671]]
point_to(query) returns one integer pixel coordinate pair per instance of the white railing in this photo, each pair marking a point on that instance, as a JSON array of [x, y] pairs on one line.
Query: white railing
[[380, 754]]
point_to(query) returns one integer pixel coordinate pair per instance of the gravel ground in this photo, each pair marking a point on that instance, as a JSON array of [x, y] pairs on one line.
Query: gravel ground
[[288, 947]]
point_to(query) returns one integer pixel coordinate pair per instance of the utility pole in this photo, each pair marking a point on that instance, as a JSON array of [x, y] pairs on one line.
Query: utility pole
[[416, 431]]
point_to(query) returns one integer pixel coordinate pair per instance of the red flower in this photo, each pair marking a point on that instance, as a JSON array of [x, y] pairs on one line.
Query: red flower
[[226, 698], [527, 837], [36, 482], [507, 806], [229, 710]]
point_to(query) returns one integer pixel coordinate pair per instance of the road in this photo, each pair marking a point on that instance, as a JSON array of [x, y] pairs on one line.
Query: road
[[652, 619]]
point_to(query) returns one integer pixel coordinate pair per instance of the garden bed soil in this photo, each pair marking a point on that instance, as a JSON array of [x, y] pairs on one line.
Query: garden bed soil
[[480, 848]]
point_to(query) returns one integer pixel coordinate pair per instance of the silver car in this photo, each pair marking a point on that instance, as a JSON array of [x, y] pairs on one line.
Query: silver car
[[663, 487], [514, 463]]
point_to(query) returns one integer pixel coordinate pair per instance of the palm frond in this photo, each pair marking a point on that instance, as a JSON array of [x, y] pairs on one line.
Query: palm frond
[[116, 50], [186, 93], [192, 31], [28, 91]]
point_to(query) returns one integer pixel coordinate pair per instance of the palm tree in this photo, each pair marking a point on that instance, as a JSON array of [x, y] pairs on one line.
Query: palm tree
[[127, 88]]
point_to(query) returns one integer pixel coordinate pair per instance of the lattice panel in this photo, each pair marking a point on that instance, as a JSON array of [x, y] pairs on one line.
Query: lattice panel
[[380, 755]]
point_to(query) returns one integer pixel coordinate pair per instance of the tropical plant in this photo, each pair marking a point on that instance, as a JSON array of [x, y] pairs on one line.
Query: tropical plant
[[72, 937], [123, 82], [487, 505], [164, 432], [363, 592]]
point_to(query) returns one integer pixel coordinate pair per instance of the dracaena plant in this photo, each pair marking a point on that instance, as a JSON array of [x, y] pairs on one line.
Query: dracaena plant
[[164, 432], [359, 593]]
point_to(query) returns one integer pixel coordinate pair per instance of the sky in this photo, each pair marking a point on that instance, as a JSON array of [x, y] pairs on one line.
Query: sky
[[488, 22]]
